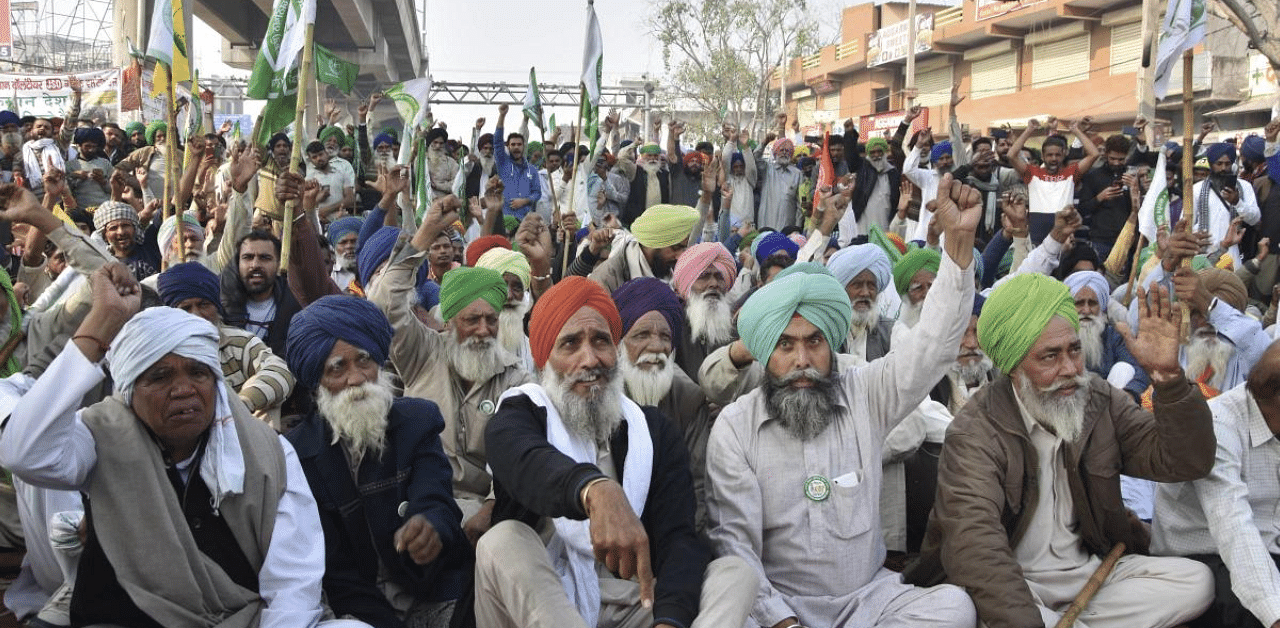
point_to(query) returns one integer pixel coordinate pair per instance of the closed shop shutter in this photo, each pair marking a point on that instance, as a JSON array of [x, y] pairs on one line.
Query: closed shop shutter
[[1126, 48], [1059, 62], [934, 87], [995, 76]]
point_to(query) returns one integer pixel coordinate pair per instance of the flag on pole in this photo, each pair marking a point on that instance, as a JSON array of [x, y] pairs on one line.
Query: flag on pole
[[168, 43], [334, 70], [274, 77], [592, 62], [1182, 28], [1154, 212], [533, 102], [413, 101], [552, 122]]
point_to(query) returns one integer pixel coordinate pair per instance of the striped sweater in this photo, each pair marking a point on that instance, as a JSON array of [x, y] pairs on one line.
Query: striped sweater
[[260, 377]]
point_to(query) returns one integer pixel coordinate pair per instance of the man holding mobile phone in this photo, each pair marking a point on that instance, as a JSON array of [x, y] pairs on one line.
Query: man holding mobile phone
[[86, 174], [1105, 195]]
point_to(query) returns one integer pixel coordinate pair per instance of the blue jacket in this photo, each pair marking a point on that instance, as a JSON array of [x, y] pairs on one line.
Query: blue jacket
[[519, 180], [360, 522]]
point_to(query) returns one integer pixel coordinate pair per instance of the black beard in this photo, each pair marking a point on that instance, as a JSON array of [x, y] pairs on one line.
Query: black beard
[[661, 268], [804, 412]]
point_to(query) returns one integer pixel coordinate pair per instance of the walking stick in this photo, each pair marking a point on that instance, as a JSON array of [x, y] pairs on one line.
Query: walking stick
[[1091, 587]]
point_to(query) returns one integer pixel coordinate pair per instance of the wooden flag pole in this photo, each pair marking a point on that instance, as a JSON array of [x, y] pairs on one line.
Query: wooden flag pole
[[573, 191], [299, 135], [171, 161], [1188, 157]]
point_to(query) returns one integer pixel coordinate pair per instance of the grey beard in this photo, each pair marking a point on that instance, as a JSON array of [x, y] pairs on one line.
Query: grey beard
[[474, 359], [1091, 340], [486, 165], [511, 325], [710, 319], [647, 386], [881, 164], [348, 262], [804, 412], [864, 319], [973, 373], [1062, 416], [594, 417], [1205, 351], [358, 414]]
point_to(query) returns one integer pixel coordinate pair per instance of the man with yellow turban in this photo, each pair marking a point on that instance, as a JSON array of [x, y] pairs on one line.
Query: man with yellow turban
[[608, 479], [1028, 497], [794, 466], [656, 240], [517, 274], [463, 368]]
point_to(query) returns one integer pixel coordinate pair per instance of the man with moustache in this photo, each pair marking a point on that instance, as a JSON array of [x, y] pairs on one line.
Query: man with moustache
[[463, 368], [441, 168], [117, 223], [650, 181], [864, 271], [878, 186], [1103, 347], [607, 484], [1029, 496], [1106, 196], [913, 276], [779, 179], [657, 239], [518, 276], [343, 234], [521, 182], [794, 466], [971, 371], [702, 278], [393, 538]]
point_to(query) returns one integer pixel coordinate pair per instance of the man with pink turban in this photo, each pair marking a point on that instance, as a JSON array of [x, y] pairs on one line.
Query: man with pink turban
[[702, 277], [779, 179]]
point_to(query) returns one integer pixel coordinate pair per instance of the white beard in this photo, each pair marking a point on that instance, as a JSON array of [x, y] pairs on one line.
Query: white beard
[[347, 262], [511, 325], [1206, 351], [594, 417], [647, 386], [358, 414], [474, 359], [486, 166], [910, 313], [864, 319], [710, 319], [1063, 416], [435, 155], [973, 373], [881, 164], [1091, 340], [651, 168]]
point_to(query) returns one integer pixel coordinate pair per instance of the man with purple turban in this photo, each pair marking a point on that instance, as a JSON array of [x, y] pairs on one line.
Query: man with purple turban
[[610, 482], [394, 547], [779, 179], [703, 277]]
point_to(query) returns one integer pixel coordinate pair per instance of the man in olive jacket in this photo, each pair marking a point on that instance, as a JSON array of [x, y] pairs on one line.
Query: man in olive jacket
[[1028, 483]]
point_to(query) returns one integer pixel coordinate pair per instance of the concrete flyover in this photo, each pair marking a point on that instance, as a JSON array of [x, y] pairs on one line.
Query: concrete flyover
[[382, 36]]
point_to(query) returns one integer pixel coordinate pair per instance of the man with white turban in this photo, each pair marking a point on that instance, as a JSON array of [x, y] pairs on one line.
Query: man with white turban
[[231, 535], [1104, 350], [1029, 498], [794, 466], [864, 271]]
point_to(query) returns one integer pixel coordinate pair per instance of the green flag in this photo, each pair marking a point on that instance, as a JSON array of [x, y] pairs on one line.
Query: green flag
[[552, 122], [275, 77], [334, 70], [533, 101], [592, 61]]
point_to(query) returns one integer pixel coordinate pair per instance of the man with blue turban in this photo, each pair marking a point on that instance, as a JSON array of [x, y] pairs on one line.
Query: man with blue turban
[[1221, 198], [773, 252], [1029, 499], [1103, 347], [865, 272], [376, 466], [462, 368], [926, 177], [794, 466], [343, 234], [201, 515]]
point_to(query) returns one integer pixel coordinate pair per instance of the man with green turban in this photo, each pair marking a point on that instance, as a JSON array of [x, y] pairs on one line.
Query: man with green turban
[[518, 275], [1029, 499], [137, 133], [913, 275], [657, 239], [794, 466], [150, 155], [460, 367]]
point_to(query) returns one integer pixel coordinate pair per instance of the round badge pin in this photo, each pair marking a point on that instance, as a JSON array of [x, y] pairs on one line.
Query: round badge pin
[[817, 488], [404, 507], [487, 406]]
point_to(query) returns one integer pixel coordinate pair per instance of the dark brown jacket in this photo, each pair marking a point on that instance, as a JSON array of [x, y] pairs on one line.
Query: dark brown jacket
[[987, 485]]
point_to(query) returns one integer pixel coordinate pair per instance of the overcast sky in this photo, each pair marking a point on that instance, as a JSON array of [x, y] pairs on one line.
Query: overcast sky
[[498, 40]]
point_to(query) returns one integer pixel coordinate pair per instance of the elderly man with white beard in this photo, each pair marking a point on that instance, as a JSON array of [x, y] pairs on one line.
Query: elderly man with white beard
[[913, 275], [1103, 347], [343, 234], [794, 466], [607, 484], [394, 546], [652, 328], [1029, 497], [703, 277], [517, 274], [463, 368], [864, 271]]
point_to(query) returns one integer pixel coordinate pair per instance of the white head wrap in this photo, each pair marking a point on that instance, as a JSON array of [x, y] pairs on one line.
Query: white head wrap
[[849, 262], [157, 332], [1090, 279]]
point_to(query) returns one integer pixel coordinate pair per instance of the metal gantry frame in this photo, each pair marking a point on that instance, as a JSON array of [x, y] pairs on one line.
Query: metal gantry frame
[[553, 94], [60, 36]]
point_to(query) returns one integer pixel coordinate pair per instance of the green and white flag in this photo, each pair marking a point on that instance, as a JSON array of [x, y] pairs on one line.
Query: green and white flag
[[533, 102], [1154, 212], [334, 70], [275, 75], [413, 102], [592, 62], [1182, 28]]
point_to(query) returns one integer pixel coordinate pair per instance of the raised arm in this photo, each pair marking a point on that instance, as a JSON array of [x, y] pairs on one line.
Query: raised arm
[[1015, 151], [1090, 149]]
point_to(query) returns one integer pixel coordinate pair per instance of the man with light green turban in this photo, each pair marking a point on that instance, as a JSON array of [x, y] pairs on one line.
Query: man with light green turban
[[657, 238], [462, 367], [1029, 499], [794, 466], [517, 273], [149, 155]]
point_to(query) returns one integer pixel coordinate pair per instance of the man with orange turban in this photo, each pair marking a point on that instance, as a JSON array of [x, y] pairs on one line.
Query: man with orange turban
[[612, 480]]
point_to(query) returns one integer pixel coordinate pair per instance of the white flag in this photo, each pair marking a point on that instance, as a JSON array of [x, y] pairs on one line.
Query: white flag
[[1154, 212], [1181, 30], [592, 64], [413, 102]]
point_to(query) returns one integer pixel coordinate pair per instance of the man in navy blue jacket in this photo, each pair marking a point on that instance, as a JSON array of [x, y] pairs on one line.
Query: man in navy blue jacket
[[394, 545]]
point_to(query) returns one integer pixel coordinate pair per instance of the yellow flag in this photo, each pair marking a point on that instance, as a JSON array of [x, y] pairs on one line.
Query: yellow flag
[[168, 43]]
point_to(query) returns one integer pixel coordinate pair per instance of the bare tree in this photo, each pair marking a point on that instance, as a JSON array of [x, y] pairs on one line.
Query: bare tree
[[1260, 21]]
